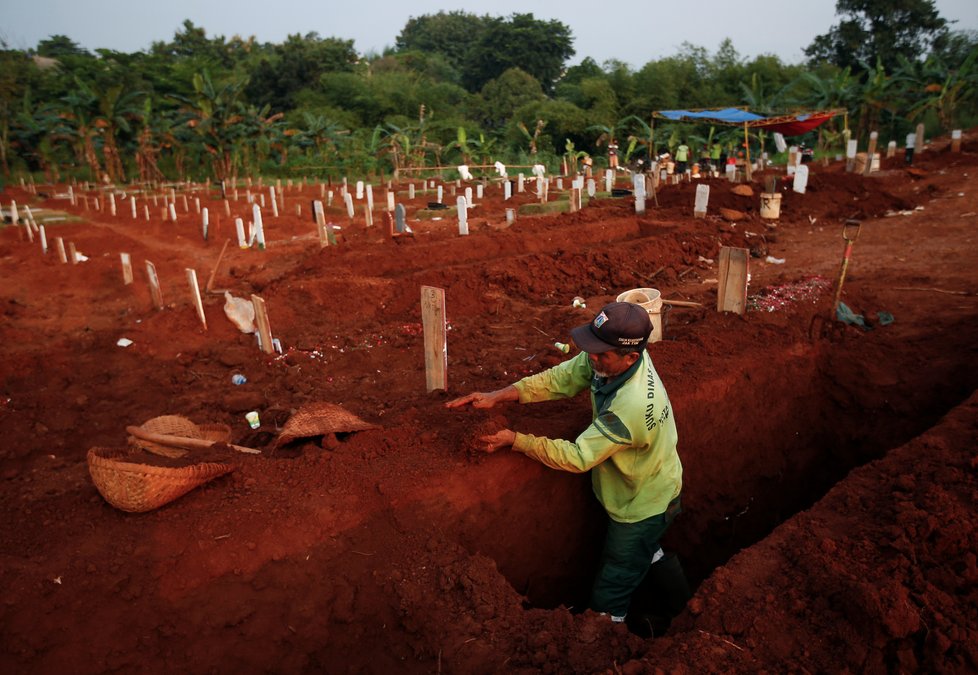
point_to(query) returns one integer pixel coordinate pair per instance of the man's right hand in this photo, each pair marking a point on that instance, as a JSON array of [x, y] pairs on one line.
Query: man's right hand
[[480, 399]]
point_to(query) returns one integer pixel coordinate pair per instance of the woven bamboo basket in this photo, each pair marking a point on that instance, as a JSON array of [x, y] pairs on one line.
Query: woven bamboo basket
[[134, 487], [319, 419], [175, 425]]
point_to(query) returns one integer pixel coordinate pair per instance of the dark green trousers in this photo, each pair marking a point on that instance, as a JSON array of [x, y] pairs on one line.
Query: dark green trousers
[[625, 560]]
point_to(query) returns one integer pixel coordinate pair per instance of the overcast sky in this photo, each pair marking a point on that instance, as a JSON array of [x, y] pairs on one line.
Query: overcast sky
[[635, 31]]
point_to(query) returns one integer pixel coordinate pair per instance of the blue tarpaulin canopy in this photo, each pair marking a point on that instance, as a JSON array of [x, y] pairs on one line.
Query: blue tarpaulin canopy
[[793, 124], [724, 116]]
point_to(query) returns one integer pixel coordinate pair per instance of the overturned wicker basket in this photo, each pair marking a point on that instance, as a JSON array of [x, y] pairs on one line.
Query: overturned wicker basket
[[135, 487], [175, 425]]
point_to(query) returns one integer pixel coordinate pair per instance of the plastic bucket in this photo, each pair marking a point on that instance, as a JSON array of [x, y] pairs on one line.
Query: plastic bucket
[[650, 299], [770, 205]]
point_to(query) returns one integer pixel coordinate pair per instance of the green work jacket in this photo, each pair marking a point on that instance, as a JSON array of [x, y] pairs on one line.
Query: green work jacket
[[630, 446], [682, 153]]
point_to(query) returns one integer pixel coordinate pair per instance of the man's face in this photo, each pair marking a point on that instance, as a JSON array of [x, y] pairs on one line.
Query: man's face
[[610, 364]]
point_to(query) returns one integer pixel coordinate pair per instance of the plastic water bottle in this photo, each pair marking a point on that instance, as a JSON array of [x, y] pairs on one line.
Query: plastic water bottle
[[238, 378]]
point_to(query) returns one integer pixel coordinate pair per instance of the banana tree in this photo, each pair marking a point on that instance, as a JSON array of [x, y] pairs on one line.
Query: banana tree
[[36, 129], [117, 106], [942, 89], [534, 137], [78, 113], [217, 116]]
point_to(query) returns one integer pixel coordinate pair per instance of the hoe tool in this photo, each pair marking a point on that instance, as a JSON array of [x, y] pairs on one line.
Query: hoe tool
[[850, 232]]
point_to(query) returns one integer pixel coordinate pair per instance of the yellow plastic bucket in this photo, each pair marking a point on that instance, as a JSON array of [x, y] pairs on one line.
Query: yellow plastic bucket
[[650, 299]]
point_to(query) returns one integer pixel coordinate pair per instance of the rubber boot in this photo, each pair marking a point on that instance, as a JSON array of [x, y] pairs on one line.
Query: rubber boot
[[662, 595], [667, 581]]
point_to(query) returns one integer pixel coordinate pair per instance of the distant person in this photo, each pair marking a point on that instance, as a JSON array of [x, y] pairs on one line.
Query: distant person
[[613, 154], [716, 155], [629, 448], [911, 142], [682, 158]]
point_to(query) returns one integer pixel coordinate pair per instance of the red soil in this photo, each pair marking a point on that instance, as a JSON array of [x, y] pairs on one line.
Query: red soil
[[830, 472]]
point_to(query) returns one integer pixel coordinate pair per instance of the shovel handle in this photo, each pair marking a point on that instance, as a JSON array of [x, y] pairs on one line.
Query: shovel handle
[[184, 442]]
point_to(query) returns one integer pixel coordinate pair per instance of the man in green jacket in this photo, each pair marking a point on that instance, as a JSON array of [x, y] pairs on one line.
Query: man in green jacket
[[682, 158], [629, 447]]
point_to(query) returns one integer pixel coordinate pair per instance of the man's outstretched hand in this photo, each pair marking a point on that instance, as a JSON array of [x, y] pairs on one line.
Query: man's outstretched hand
[[479, 399], [501, 439]]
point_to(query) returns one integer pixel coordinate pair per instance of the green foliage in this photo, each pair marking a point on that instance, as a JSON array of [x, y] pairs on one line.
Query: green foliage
[[538, 47], [457, 87], [878, 30]]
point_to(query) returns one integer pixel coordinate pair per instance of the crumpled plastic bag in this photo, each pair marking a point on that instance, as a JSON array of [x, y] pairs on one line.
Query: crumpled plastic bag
[[241, 313], [846, 315]]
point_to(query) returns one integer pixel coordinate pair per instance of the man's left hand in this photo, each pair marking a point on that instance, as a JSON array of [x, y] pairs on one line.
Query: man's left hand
[[501, 439]]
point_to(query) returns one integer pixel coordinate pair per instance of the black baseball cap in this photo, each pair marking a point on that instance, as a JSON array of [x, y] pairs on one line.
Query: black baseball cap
[[618, 324]]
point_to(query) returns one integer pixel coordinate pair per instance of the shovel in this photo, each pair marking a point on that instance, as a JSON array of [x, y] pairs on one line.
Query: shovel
[[850, 232], [183, 442]]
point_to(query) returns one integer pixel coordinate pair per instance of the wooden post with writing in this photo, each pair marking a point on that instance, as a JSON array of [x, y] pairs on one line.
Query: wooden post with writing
[[126, 268], [732, 277], [264, 330], [870, 151], [435, 337], [154, 285]]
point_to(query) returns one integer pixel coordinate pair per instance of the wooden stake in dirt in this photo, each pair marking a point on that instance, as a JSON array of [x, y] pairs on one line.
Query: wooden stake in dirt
[[919, 145], [732, 277], [204, 221], [702, 199], [195, 295], [72, 253], [507, 191], [239, 228], [851, 148], [217, 265], [463, 216], [390, 201], [348, 199], [609, 180], [264, 330], [132, 207], [154, 285], [873, 136], [44, 240], [259, 227], [183, 202], [146, 212], [197, 204], [368, 216], [173, 212], [520, 183], [126, 268], [227, 208], [638, 186], [320, 216], [370, 197], [60, 245], [435, 337], [14, 215], [891, 149], [410, 190], [112, 203], [271, 194], [956, 140]]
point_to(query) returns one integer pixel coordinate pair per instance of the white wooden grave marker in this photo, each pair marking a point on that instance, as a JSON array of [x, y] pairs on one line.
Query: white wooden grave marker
[[801, 179], [702, 200], [463, 216]]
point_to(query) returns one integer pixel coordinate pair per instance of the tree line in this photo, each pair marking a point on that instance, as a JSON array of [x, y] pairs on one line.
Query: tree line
[[455, 88]]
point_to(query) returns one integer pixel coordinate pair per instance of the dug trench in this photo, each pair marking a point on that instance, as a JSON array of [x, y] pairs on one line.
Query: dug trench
[[762, 439]]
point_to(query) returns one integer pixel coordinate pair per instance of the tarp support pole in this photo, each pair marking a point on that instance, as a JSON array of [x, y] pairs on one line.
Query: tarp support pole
[[747, 169]]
